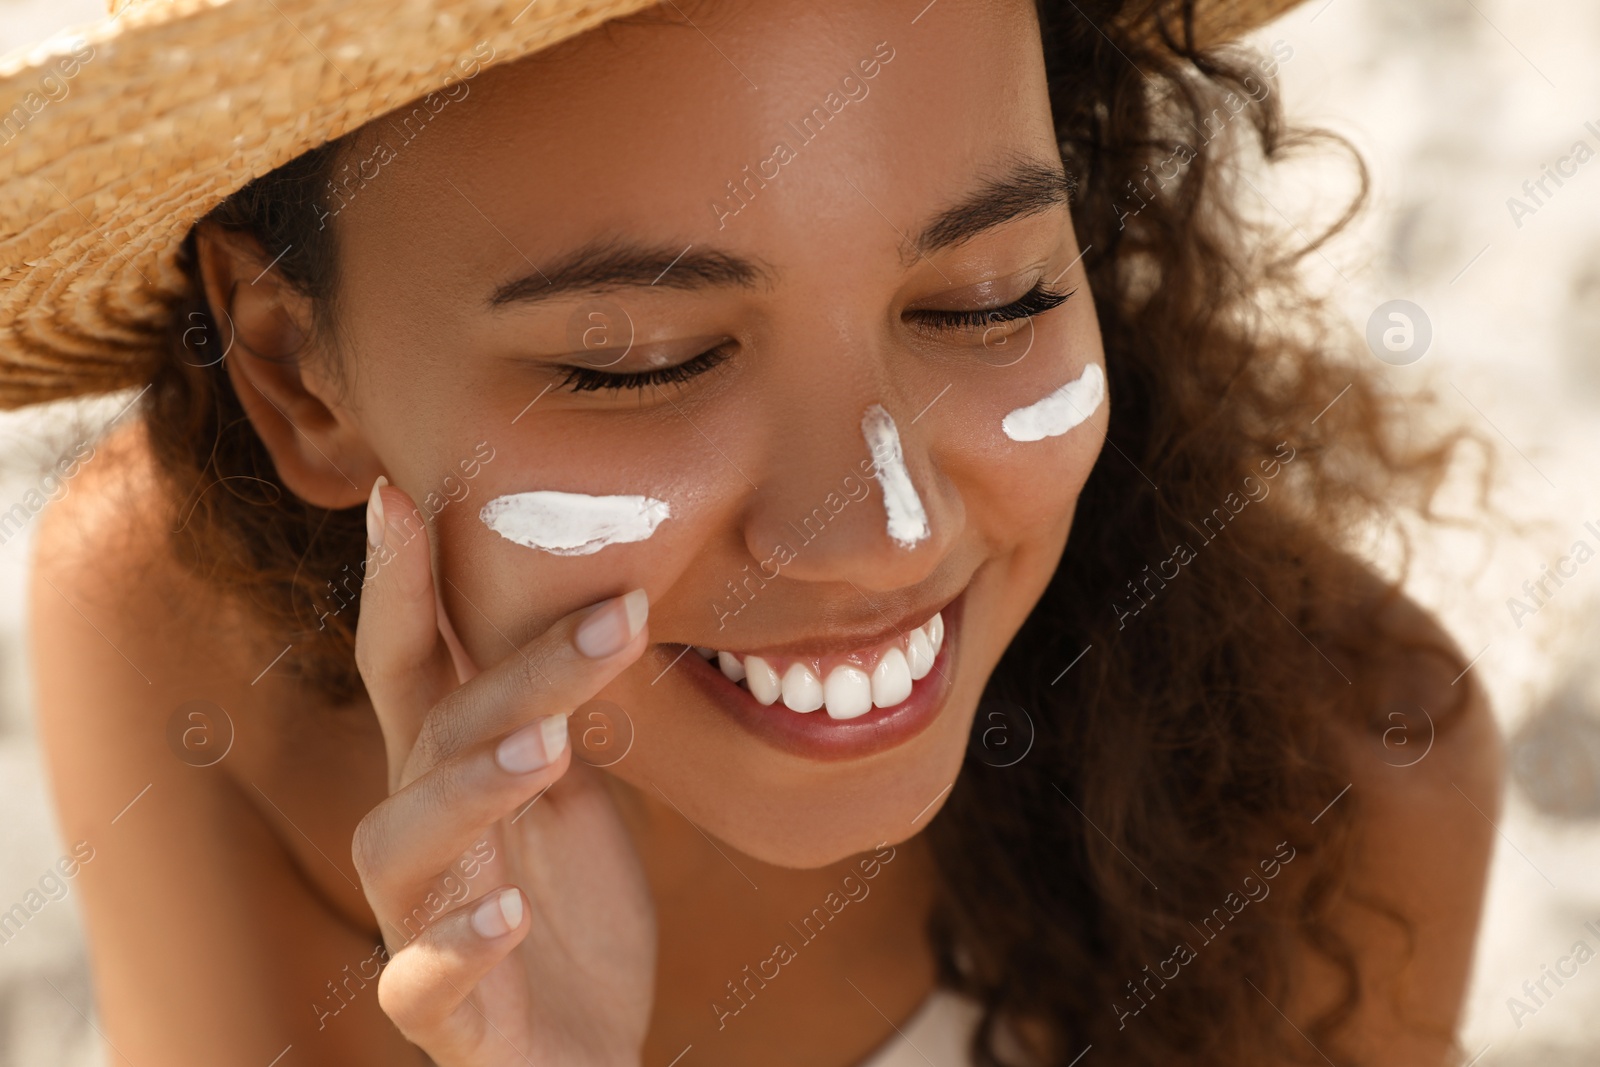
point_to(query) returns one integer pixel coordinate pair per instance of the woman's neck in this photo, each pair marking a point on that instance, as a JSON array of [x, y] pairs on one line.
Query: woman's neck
[[765, 964]]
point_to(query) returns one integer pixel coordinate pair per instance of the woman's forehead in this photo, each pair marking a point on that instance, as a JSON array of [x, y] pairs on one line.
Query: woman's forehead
[[773, 120]]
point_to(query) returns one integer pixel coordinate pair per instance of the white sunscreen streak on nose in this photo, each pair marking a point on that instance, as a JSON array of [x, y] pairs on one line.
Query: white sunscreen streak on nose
[[1061, 410], [573, 524], [908, 523]]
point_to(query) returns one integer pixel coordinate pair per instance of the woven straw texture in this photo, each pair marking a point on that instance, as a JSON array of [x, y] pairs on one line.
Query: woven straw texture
[[120, 137]]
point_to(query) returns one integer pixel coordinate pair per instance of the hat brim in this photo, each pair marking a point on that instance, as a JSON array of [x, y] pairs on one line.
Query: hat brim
[[125, 134]]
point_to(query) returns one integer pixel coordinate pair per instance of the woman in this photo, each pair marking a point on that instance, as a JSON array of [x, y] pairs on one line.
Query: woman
[[694, 415]]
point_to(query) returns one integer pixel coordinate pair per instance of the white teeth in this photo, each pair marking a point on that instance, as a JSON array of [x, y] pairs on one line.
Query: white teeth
[[919, 653], [762, 680], [848, 690], [801, 689], [891, 680], [848, 693]]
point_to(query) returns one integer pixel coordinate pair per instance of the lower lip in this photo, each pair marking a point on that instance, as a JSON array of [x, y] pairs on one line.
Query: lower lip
[[814, 735]]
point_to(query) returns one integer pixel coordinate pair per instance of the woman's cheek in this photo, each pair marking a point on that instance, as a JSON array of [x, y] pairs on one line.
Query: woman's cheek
[[1057, 438], [1023, 449], [515, 558], [1060, 411], [564, 523]]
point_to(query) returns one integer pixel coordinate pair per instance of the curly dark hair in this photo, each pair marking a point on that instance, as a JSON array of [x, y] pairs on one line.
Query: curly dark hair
[[1177, 689]]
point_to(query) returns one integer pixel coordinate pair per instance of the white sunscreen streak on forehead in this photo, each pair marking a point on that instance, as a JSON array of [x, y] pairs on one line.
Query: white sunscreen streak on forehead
[[908, 523], [573, 524], [1061, 410]]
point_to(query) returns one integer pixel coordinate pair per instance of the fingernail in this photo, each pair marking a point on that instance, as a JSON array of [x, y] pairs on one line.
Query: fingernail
[[610, 627], [375, 514], [499, 914], [536, 745]]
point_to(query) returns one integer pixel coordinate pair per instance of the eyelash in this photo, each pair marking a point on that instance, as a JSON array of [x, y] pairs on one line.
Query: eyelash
[[584, 380], [1036, 301]]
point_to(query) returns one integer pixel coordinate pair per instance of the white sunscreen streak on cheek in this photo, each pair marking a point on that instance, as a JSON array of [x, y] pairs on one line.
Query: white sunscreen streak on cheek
[[573, 524], [1061, 410], [908, 523]]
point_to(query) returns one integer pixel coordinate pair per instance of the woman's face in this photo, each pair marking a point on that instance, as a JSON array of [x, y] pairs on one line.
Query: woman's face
[[795, 190]]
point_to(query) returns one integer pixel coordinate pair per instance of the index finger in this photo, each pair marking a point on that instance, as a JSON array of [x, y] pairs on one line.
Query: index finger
[[426, 711], [402, 657], [552, 674]]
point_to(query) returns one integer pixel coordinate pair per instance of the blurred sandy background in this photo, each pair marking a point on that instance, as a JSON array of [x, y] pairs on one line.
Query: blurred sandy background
[[1454, 104]]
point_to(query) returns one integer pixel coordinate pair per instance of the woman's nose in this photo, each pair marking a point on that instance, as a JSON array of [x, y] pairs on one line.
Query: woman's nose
[[859, 500]]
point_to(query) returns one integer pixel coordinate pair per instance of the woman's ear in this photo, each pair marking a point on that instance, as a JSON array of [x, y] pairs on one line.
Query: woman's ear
[[279, 369]]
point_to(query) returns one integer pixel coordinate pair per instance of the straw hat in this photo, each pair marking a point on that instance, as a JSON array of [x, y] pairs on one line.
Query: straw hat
[[115, 139]]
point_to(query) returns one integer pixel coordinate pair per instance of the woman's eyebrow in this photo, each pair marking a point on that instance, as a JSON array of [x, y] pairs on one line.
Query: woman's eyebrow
[[616, 263], [1027, 188]]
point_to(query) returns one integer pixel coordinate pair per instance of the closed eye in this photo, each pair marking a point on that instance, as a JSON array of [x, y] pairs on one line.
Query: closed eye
[[1036, 301], [584, 380]]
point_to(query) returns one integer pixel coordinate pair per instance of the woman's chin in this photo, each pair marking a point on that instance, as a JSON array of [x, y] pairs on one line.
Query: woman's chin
[[802, 789], [812, 843], [814, 819]]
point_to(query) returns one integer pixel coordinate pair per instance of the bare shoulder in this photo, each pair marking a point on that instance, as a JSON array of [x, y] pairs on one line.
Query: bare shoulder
[[1426, 766], [207, 833], [1429, 734], [1427, 771], [104, 548]]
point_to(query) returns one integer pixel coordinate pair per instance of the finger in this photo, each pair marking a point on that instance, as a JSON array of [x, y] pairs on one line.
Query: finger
[[399, 651], [425, 986], [401, 845], [465, 667], [552, 674]]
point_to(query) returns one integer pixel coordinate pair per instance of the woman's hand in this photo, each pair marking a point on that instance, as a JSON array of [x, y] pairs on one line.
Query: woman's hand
[[551, 958]]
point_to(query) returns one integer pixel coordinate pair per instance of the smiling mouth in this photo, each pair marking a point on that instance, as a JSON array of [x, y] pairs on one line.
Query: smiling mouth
[[848, 684]]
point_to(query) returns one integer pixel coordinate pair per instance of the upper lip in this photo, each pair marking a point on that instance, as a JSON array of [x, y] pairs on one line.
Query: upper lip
[[851, 638]]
